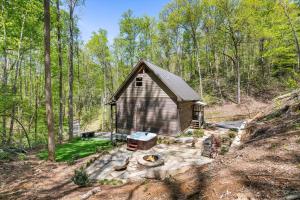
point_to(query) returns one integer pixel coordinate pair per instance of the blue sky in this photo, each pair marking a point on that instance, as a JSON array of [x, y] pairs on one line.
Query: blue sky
[[106, 14]]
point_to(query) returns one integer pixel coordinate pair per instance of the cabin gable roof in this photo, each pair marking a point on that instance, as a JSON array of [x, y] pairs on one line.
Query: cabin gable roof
[[174, 83]]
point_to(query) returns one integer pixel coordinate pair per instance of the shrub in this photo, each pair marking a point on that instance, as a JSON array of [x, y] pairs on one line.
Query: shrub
[[198, 133], [21, 156], [224, 149], [231, 134], [81, 178], [71, 161], [189, 132], [4, 155]]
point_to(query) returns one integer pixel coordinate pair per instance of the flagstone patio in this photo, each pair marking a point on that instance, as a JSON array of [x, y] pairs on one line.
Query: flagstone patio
[[178, 158]]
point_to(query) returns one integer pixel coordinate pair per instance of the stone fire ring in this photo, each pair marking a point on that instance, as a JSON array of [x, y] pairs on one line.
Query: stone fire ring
[[156, 163]]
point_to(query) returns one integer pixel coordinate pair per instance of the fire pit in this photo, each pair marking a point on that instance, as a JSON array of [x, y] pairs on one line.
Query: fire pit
[[151, 160]]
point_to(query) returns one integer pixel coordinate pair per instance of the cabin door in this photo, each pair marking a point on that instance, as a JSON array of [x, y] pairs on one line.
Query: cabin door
[[198, 113]]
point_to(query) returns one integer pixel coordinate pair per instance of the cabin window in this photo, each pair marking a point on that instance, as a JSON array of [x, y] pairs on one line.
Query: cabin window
[[139, 81]]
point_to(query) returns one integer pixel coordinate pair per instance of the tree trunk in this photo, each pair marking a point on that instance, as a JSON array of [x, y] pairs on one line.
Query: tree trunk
[[196, 49], [60, 64], [14, 88], [4, 78], [71, 77], [48, 89], [36, 107], [199, 72], [238, 83]]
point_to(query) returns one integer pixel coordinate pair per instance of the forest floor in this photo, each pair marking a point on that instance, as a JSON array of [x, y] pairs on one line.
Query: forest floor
[[230, 111], [262, 168]]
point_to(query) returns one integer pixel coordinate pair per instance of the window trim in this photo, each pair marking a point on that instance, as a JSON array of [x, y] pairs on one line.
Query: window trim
[[138, 81]]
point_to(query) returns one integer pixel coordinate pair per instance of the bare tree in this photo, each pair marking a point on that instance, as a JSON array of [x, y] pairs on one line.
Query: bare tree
[[48, 92]]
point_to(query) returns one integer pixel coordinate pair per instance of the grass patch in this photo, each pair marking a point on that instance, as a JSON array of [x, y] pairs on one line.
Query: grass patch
[[198, 133], [78, 148], [274, 146], [110, 182]]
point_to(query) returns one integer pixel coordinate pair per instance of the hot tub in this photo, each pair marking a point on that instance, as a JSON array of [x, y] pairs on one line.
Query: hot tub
[[141, 140]]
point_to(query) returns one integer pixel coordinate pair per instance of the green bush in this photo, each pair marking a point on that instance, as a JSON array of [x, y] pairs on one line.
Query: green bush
[[211, 99], [21, 156], [198, 133], [4, 155], [189, 132], [224, 149], [81, 178], [231, 134], [71, 162]]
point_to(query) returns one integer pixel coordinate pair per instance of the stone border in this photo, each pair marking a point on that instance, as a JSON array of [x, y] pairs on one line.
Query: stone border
[[143, 162]]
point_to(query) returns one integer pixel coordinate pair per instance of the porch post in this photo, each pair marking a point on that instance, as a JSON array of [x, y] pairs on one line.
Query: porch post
[[111, 124]]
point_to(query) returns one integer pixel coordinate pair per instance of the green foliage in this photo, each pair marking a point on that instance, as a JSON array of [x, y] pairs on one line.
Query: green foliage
[[21, 156], [259, 35], [81, 178], [4, 155], [198, 133], [274, 146], [292, 83], [224, 149], [113, 182], [71, 161], [76, 149], [231, 134], [210, 99]]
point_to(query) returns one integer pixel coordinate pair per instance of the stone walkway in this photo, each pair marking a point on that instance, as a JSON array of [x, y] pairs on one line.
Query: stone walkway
[[178, 158]]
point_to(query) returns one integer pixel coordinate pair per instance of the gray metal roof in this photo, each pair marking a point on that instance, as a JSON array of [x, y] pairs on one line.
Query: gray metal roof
[[176, 84]]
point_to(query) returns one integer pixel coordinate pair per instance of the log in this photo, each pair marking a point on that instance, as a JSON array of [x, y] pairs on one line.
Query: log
[[90, 193]]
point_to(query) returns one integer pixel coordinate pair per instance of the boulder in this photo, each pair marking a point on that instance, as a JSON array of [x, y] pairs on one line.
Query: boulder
[[210, 146], [184, 140], [121, 165]]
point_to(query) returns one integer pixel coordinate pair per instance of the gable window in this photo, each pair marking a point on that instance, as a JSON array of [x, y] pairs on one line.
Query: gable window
[[139, 81]]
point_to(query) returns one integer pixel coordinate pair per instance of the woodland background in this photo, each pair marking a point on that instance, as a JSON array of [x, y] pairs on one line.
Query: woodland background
[[225, 49]]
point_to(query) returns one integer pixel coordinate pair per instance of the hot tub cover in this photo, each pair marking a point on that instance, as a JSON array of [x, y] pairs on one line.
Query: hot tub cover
[[142, 136]]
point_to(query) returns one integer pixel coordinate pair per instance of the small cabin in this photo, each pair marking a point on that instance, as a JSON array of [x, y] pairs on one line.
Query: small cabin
[[152, 99]]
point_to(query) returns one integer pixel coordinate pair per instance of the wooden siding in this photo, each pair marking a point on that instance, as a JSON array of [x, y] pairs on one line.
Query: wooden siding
[[146, 108], [186, 114], [149, 89]]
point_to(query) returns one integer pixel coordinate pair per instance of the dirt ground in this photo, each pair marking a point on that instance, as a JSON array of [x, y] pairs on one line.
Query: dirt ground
[[36, 179], [268, 168], [229, 111]]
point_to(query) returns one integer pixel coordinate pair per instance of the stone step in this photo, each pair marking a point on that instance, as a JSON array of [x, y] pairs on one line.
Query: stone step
[[132, 147]]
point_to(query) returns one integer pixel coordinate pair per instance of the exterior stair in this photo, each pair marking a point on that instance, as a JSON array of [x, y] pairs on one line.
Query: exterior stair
[[195, 124], [132, 147]]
